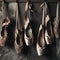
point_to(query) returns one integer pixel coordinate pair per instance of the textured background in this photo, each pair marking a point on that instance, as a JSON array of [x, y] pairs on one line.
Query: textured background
[[29, 53]]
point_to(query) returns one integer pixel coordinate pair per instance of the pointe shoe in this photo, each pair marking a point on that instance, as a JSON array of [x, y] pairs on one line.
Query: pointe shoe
[[17, 48], [28, 36], [2, 42], [41, 45], [18, 44]]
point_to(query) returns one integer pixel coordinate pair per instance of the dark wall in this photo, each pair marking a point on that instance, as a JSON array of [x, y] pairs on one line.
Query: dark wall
[[34, 0], [31, 53]]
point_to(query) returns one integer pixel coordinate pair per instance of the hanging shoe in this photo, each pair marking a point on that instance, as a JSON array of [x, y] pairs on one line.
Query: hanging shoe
[[4, 32], [28, 35], [45, 31], [40, 45], [48, 31], [18, 42]]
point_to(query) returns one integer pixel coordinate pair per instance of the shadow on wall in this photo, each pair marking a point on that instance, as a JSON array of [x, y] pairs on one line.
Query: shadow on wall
[[29, 53]]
